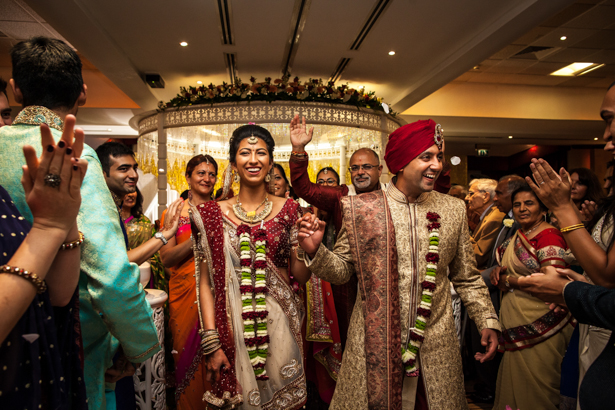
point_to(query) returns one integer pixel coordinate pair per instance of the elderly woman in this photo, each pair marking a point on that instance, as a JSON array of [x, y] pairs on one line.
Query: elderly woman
[[535, 338]]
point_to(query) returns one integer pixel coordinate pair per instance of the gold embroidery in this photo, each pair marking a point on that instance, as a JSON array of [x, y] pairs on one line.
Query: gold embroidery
[[37, 115], [254, 398]]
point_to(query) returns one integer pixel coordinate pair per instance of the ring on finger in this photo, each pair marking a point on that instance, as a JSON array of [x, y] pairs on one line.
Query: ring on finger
[[53, 180], [542, 182]]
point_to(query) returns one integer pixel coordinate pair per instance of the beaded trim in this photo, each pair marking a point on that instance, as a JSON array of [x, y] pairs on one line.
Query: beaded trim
[[37, 115], [38, 283], [74, 244]]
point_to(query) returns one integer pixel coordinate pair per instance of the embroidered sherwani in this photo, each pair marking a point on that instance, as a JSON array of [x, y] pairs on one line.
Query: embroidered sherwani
[[439, 357], [113, 309]]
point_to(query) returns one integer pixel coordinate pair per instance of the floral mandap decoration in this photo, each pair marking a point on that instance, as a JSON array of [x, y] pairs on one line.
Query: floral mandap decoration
[[313, 90]]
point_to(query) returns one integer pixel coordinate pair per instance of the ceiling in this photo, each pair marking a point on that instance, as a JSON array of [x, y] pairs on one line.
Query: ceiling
[[454, 61]]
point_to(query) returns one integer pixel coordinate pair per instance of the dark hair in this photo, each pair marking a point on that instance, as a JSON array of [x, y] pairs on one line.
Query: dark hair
[[587, 177], [48, 72], [137, 210], [526, 188], [283, 173], [112, 149], [198, 160], [329, 169], [3, 88], [247, 131]]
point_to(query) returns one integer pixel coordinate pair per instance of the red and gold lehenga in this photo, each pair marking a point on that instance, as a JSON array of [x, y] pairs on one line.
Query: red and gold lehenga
[[217, 243], [534, 338]]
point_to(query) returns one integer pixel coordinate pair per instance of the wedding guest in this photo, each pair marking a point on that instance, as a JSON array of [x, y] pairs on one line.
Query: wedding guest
[[592, 247], [480, 201], [5, 108], [47, 81], [529, 374], [590, 305], [40, 337], [585, 187], [189, 365], [281, 185], [250, 314], [458, 191]]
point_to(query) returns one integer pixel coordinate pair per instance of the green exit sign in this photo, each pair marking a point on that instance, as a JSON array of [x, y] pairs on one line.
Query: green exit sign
[[482, 152]]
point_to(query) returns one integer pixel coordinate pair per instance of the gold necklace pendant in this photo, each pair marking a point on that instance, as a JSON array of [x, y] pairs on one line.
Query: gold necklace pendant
[[252, 217]]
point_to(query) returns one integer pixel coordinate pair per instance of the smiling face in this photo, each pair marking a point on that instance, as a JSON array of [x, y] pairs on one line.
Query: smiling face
[[607, 112], [364, 180], [130, 200], [252, 162], [202, 180], [526, 209], [279, 184], [421, 173], [579, 190], [123, 177]]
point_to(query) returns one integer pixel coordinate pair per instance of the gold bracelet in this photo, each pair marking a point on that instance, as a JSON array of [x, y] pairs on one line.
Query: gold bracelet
[[211, 349], [74, 244], [300, 252], [38, 283], [572, 228]]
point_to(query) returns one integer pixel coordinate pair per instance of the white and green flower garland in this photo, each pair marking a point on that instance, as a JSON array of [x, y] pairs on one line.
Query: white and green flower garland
[[423, 311], [253, 288]]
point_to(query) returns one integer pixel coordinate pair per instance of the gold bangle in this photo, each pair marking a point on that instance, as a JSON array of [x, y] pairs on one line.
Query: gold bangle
[[38, 283], [74, 244], [572, 228], [211, 349]]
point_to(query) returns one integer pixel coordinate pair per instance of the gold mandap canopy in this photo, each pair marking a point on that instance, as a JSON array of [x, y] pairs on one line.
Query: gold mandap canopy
[[168, 139]]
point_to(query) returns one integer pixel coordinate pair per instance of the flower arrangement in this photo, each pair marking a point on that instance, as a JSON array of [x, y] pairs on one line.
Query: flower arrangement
[[423, 311], [253, 288], [314, 90]]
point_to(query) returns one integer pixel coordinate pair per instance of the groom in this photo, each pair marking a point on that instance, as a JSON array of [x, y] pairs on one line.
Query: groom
[[401, 244]]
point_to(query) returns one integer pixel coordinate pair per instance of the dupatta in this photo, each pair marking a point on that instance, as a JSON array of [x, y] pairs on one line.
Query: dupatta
[[527, 320]]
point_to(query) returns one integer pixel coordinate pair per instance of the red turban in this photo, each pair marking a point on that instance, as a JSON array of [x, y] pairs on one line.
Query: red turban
[[409, 141]]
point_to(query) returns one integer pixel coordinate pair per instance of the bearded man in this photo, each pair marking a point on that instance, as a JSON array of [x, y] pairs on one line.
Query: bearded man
[[401, 244]]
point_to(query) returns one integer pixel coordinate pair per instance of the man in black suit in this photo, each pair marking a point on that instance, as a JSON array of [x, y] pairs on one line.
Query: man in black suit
[[484, 390], [589, 304]]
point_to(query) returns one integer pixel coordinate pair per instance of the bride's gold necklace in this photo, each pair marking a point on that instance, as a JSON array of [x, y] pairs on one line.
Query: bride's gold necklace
[[252, 217], [532, 229]]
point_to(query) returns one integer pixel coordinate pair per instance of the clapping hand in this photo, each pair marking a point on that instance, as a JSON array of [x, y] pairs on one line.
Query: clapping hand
[[299, 136], [171, 223], [52, 183], [588, 210], [311, 232], [552, 189]]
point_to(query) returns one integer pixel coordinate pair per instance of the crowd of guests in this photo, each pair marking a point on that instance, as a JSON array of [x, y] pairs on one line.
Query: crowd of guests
[[292, 293]]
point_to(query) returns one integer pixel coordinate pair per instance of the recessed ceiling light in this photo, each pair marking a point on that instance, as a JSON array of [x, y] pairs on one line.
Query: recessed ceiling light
[[183, 44], [575, 69], [563, 38], [199, 82], [391, 53], [510, 137], [596, 139]]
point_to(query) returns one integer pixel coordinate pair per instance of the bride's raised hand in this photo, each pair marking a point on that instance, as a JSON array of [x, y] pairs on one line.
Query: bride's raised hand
[[311, 232]]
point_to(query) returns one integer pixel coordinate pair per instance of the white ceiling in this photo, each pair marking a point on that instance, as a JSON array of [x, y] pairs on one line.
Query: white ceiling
[[436, 43]]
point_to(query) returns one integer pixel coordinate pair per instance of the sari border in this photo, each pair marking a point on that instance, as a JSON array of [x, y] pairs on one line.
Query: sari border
[[536, 332], [315, 311]]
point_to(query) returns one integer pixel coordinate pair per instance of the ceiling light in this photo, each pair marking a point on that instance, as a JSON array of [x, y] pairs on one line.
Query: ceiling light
[[391, 53], [563, 38], [199, 82], [510, 137], [183, 44], [575, 69], [596, 139], [476, 67]]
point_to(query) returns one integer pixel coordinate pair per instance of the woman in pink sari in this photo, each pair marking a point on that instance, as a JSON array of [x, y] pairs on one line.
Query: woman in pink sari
[[201, 173]]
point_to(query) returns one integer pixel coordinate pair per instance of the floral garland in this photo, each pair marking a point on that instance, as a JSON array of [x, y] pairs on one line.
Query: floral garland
[[423, 311], [253, 288], [281, 89]]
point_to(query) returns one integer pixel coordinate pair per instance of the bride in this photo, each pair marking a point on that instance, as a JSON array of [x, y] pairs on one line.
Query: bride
[[245, 249]]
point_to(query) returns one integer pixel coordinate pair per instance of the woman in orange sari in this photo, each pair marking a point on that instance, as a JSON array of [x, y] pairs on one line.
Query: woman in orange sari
[[201, 174]]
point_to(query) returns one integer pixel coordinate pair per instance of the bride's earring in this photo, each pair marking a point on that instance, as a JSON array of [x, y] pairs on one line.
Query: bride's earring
[[268, 178], [236, 177]]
